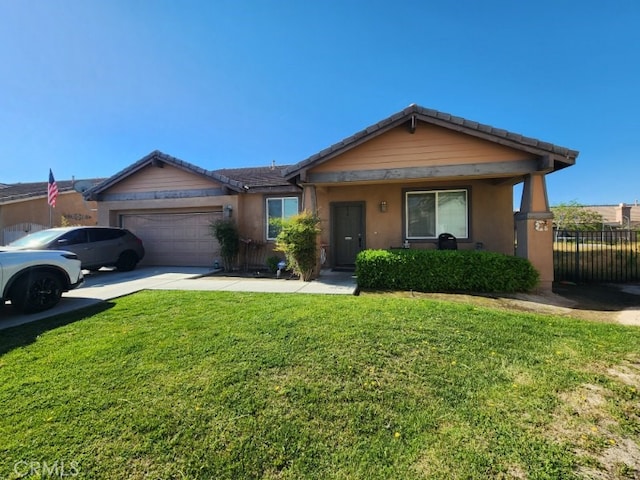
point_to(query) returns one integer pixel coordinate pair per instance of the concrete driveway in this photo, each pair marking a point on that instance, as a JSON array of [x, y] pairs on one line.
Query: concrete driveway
[[108, 284]]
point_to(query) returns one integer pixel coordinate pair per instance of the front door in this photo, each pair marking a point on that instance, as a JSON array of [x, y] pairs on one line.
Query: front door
[[348, 233]]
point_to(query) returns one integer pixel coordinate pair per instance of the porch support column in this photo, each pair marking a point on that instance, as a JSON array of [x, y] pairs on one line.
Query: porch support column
[[534, 232], [309, 198], [310, 204]]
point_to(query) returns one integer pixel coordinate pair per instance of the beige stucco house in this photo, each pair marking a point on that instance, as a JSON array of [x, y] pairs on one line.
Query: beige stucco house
[[24, 207], [620, 216], [402, 181]]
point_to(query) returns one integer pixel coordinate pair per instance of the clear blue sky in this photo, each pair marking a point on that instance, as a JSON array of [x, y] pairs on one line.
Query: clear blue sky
[[88, 87]]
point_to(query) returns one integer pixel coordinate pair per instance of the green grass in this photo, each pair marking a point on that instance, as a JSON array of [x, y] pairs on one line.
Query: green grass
[[229, 385]]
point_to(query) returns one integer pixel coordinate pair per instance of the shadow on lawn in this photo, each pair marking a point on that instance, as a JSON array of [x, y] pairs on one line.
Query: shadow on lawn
[[23, 335]]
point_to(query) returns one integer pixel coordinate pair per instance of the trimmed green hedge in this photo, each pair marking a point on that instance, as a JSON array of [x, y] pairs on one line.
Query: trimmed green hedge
[[444, 271]]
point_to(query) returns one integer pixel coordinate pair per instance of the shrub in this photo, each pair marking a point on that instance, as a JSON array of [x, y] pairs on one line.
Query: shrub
[[298, 241], [444, 271], [226, 233]]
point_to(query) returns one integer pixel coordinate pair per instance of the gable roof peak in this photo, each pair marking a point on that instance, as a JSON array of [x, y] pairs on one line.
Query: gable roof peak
[[158, 158], [413, 113]]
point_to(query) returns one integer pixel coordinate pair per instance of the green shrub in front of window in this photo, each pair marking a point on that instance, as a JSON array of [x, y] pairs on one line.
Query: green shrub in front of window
[[298, 241], [444, 271], [279, 210]]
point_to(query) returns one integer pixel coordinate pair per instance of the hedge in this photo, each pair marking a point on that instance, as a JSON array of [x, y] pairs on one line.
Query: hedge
[[444, 271]]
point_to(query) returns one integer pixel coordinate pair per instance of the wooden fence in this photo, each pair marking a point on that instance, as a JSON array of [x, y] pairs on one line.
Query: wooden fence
[[596, 257], [19, 230]]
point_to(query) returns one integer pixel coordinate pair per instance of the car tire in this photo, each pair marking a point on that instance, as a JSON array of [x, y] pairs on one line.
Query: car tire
[[37, 291], [127, 261]]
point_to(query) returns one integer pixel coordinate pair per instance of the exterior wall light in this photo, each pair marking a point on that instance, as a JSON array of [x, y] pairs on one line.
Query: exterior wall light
[[383, 206], [227, 211]]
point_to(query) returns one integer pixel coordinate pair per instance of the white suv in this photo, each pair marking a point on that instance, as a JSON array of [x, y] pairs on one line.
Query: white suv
[[34, 280]]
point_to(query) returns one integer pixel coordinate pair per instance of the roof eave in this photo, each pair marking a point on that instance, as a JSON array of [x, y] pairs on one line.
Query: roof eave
[[158, 157], [411, 114]]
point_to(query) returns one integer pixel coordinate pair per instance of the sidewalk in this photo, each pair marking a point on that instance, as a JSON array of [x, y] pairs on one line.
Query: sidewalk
[[107, 285], [328, 283]]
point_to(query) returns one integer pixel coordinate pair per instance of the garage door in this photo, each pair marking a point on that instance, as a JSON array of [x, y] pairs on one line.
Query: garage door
[[180, 239]]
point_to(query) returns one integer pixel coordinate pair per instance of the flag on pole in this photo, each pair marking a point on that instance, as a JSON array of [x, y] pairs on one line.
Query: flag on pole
[[52, 190]]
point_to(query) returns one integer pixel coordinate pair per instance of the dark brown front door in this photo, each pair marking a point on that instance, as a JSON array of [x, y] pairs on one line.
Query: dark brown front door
[[348, 233]]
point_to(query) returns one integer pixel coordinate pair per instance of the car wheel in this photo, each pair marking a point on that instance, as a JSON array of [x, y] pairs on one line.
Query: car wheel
[[127, 261], [37, 291]]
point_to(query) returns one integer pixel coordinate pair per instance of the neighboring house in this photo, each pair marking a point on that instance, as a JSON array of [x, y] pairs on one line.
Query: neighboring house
[[24, 208], [406, 179], [621, 216]]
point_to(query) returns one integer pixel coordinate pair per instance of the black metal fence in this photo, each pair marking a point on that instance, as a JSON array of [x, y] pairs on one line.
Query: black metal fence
[[592, 257]]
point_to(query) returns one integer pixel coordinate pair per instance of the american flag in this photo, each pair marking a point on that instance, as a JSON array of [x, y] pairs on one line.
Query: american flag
[[52, 190]]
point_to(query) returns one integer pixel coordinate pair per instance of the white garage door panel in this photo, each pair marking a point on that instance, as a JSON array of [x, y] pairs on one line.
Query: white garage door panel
[[182, 239]]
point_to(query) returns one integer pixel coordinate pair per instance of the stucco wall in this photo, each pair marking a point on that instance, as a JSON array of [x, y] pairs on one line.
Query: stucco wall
[[252, 223], [490, 213], [71, 205]]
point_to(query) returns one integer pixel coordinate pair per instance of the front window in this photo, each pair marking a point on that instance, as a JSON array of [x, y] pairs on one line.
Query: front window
[[279, 209], [430, 213]]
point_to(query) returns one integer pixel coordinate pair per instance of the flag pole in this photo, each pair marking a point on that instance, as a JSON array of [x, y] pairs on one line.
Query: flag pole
[[52, 194]]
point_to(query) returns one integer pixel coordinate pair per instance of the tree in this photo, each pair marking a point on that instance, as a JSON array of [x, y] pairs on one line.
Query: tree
[[298, 241], [574, 216]]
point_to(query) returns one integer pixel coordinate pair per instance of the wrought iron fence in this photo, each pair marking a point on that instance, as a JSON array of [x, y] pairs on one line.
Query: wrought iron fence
[[592, 257]]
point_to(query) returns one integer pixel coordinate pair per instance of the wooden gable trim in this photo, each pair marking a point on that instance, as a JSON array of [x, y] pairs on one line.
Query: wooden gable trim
[[159, 159], [497, 169], [518, 143], [163, 194], [561, 157]]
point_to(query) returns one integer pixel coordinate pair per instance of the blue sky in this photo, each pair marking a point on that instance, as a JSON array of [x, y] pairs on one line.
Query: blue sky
[[88, 87]]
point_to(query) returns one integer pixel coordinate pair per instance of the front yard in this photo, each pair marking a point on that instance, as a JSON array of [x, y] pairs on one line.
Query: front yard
[[204, 385]]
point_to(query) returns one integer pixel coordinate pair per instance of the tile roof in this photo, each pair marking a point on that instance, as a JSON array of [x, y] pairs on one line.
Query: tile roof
[[564, 157], [260, 178], [24, 191], [279, 178], [158, 156], [263, 179]]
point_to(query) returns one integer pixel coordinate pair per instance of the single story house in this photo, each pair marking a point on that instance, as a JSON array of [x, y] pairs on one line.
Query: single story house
[[24, 208], [402, 181]]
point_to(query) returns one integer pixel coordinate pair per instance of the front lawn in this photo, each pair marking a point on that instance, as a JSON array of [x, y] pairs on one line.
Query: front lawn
[[224, 385]]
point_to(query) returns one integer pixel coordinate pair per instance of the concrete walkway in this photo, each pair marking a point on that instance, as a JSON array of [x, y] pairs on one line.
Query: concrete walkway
[[106, 285]]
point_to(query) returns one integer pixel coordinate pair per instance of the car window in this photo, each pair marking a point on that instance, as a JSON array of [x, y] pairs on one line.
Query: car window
[[102, 234], [73, 237], [36, 239]]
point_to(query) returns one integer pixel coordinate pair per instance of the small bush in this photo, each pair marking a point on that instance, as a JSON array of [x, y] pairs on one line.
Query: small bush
[[444, 271], [298, 241], [226, 233]]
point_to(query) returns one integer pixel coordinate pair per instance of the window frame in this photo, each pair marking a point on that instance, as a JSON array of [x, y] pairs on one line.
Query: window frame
[[267, 218], [436, 191]]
